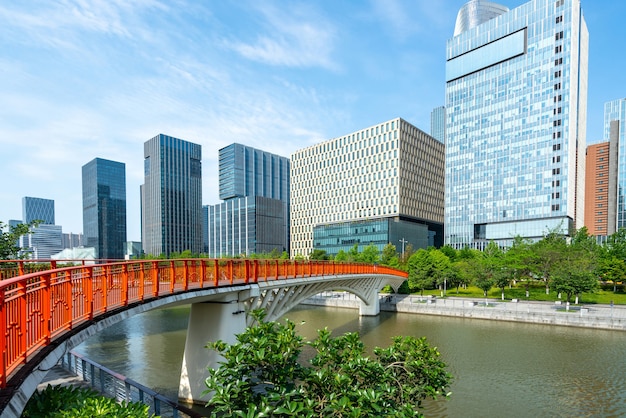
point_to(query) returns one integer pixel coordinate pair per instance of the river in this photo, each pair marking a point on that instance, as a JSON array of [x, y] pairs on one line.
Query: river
[[499, 369]]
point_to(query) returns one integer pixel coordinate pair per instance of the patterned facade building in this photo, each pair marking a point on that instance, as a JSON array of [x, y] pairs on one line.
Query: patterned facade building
[[171, 196], [38, 209], [104, 208], [379, 185], [516, 100]]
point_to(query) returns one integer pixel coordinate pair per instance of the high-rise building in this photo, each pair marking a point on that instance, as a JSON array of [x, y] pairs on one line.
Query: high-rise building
[[104, 207], [45, 239], [615, 133], [171, 196], [42, 242], [597, 189], [438, 123], [516, 100], [38, 209], [71, 240], [379, 185], [254, 217]]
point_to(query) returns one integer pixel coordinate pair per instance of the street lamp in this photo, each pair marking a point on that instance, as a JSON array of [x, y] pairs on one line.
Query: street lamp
[[403, 241]]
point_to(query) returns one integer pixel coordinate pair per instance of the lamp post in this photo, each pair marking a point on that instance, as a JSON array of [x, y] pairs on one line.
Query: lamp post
[[403, 241]]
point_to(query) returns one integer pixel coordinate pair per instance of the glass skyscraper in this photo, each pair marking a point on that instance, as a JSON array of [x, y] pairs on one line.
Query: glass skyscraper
[[516, 99], [35, 208], [171, 196], [254, 217], [438, 124], [104, 208], [615, 132]]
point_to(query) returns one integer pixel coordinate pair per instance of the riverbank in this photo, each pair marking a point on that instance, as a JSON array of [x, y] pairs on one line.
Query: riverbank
[[548, 313]]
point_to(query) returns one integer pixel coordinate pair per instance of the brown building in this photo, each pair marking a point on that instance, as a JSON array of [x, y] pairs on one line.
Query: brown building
[[601, 184]]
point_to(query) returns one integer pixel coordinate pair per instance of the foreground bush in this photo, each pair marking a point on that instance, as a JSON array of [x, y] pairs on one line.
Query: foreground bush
[[262, 375], [74, 402]]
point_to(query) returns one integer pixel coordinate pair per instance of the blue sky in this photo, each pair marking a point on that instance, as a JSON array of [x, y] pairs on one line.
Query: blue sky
[[81, 79]]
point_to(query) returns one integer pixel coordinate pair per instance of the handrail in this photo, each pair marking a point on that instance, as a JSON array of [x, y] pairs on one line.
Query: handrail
[[39, 307], [121, 388]]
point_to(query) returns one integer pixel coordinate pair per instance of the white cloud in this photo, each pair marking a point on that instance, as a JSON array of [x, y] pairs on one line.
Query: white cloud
[[293, 37]]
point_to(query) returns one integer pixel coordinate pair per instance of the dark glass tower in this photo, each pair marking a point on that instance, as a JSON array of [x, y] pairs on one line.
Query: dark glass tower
[[254, 217], [171, 196], [104, 207]]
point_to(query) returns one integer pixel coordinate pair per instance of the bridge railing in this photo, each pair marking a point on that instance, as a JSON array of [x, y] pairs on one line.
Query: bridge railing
[[38, 307]]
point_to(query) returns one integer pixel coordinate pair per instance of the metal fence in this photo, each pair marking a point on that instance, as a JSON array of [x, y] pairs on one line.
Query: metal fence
[[121, 388]]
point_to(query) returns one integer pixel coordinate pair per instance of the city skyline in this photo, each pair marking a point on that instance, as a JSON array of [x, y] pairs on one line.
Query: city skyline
[[91, 79]]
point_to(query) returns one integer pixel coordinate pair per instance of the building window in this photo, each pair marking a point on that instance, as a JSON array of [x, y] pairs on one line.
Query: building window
[[556, 183], [559, 19], [559, 35], [556, 207], [556, 171]]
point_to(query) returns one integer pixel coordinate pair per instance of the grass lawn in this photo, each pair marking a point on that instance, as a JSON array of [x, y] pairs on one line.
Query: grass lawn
[[537, 291]]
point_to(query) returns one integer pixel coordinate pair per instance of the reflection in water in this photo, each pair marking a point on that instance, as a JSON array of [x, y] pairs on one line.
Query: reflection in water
[[499, 368]]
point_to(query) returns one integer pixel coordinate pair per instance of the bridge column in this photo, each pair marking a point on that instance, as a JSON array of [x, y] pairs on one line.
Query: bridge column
[[220, 319], [372, 307]]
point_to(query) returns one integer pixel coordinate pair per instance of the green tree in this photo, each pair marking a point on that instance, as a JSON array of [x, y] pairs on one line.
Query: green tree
[[9, 237], [441, 267], [389, 255], [353, 253], [370, 254], [520, 260], [262, 375], [420, 271], [318, 255], [577, 270], [549, 252], [341, 256]]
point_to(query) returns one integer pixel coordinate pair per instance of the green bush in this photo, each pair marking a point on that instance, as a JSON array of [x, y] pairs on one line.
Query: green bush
[[75, 402]]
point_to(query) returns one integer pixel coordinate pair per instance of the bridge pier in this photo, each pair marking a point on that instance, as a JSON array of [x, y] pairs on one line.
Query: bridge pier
[[371, 307], [220, 319]]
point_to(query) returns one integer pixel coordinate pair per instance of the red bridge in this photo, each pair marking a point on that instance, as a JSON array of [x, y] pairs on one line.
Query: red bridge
[[44, 314]]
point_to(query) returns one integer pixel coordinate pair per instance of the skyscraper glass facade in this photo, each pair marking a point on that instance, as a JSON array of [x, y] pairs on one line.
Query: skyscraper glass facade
[[516, 98], [245, 226], [104, 208], [438, 124], [254, 217], [171, 196], [38, 209], [615, 111]]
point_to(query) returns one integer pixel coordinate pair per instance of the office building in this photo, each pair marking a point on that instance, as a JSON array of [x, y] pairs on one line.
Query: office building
[[516, 99], [171, 196], [42, 243], [379, 185], [38, 209], [254, 216], [104, 208], [597, 189], [615, 133], [438, 124], [71, 240]]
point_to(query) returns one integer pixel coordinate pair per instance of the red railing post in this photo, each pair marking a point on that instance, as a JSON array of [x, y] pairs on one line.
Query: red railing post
[[3, 342], [186, 274], [46, 310], [216, 272], [20, 268], [172, 276], [156, 273], [231, 271], [125, 290], [255, 274], [22, 320], [246, 271], [87, 284]]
